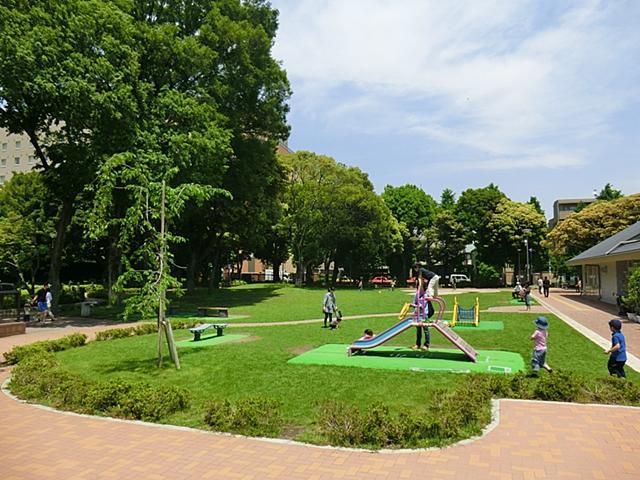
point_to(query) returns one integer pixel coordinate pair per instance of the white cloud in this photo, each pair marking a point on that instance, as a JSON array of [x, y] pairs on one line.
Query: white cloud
[[499, 77]]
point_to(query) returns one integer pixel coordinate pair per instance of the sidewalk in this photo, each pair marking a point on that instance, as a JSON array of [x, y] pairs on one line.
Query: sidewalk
[[594, 316]]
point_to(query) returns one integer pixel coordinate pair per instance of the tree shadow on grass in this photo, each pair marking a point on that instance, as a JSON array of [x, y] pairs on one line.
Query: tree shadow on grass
[[148, 366]]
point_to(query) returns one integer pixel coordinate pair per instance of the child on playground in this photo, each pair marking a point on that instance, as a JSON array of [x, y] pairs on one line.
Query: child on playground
[[618, 351], [527, 296], [368, 334], [423, 307], [539, 355]]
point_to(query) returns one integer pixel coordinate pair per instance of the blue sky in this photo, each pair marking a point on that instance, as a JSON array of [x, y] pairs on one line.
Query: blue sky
[[540, 97]]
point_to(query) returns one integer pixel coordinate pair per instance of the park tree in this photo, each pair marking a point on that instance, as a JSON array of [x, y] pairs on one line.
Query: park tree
[[474, 210], [26, 228], [415, 211], [609, 193], [515, 227], [536, 204], [66, 74], [449, 241], [448, 199], [598, 221]]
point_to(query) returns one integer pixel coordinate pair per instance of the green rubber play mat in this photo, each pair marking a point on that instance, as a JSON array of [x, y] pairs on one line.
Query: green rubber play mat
[[483, 325], [402, 358], [210, 340]]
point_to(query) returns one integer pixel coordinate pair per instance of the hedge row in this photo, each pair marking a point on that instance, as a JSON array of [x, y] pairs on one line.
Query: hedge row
[[39, 377], [18, 353], [142, 329]]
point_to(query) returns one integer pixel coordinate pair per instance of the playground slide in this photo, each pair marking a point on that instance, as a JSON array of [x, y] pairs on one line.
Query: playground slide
[[458, 341], [381, 338]]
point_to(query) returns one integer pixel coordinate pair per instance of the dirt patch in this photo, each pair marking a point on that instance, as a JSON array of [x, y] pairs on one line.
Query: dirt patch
[[518, 309], [292, 431], [250, 338], [301, 349]]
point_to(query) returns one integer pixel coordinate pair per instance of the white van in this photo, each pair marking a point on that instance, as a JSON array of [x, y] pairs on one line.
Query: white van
[[458, 279]]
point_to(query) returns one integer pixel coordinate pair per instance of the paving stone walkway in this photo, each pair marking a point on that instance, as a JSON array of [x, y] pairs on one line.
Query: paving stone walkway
[[533, 440]]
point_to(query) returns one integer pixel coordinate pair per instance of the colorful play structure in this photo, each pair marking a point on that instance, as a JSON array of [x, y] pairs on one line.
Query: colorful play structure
[[416, 319], [465, 316]]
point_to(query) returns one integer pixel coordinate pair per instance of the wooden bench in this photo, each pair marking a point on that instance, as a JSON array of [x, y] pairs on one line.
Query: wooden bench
[[220, 312], [197, 331]]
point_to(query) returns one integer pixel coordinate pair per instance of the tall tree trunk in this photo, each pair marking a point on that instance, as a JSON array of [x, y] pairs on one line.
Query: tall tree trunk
[[114, 269], [276, 270], [309, 275], [62, 225], [192, 270], [299, 273], [327, 263]]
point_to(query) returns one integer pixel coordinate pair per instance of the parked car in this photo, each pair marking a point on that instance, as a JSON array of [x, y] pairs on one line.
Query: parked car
[[458, 279], [380, 281]]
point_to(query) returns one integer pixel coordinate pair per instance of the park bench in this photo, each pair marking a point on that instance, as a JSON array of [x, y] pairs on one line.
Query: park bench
[[220, 312], [197, 331]]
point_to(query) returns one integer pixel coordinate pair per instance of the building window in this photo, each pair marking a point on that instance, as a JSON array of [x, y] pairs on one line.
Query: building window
[[32, 159], [568, 207], [18, 144], [3, 162], [16, 160], [4, 145], [1, 179]]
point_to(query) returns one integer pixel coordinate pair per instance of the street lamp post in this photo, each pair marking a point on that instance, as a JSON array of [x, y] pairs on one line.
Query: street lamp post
[[527, 231]]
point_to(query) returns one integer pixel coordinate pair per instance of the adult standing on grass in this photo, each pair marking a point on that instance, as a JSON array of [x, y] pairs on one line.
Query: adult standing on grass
[[545, 286], [540, 285], [618, 351], [329, 306], [426, 281]]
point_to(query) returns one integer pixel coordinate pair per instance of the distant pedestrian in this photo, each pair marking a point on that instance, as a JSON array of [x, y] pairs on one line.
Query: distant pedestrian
[[360, 284], [540, 284], [527, 296], [328, 306], [618, 351], [546, 284], [579, 286], [539, 355], [41, 301], [48, 312]]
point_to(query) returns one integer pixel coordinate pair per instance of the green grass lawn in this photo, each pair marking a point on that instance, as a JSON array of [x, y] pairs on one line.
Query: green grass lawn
[[279, 303], [257, 364]]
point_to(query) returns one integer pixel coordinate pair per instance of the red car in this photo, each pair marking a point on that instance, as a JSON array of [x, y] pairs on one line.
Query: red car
[[380, 282]]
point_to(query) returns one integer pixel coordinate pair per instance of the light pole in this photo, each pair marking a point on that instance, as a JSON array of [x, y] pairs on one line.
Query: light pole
[[527, 231]]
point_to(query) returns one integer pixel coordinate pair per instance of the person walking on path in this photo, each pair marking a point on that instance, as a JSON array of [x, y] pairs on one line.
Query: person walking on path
[[328, 306], [618, 351], [540, 285], [41, 302], [539, 355], [545, 286]]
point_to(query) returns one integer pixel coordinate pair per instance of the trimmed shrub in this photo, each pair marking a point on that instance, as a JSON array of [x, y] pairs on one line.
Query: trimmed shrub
[[142, 329], [255, 416], [136, 400], [561, 386], [18, 353]]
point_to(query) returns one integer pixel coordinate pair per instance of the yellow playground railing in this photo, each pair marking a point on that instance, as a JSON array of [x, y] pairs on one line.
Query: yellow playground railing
[[465, 316]]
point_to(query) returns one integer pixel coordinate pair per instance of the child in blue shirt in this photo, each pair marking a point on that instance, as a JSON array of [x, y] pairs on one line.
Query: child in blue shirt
[[618, 351]]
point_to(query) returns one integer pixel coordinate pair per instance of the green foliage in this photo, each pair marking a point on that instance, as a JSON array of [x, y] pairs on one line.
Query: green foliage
[[632, 298], [609, 193], [136, 400], [561, 386], [26, 227], [597, 222], [20, 352], [254, 416], [486, 275], [449, 416], [113, 333]]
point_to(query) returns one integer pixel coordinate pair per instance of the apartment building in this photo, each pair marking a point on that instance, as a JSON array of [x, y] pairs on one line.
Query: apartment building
[[564, 207], [16, 155]]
